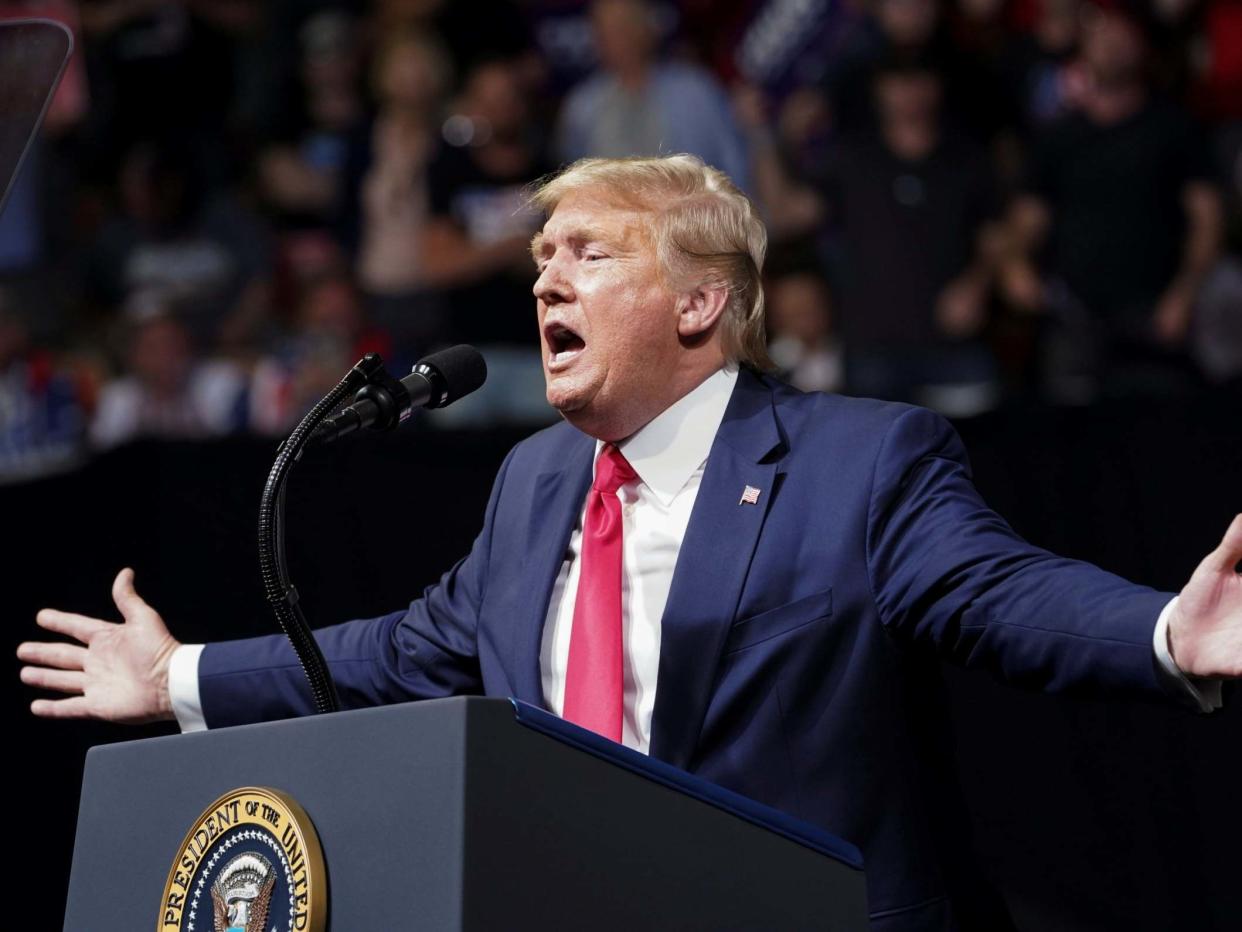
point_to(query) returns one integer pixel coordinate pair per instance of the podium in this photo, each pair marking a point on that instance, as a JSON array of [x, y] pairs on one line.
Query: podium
[[464, 813]]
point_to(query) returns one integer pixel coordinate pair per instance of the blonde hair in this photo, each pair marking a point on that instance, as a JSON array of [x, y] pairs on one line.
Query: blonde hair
[[705, 232]]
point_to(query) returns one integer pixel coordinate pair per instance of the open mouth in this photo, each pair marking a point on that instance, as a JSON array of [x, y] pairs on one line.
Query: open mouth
[[564, 343]]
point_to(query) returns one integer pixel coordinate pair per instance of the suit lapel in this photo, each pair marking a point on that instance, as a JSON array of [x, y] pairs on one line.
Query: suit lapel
[[555, 506], [712, 566]]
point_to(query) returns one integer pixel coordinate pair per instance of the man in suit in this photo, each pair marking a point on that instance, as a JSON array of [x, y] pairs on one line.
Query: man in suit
[[710, 566]]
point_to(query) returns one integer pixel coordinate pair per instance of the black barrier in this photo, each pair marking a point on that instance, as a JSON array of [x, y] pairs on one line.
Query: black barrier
[[1088, 814]]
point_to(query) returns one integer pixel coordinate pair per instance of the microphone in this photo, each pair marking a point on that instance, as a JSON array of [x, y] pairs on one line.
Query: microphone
[[435, 381]]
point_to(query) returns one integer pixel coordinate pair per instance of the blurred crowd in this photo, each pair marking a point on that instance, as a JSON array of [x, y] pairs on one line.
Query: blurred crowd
[[971, 203]]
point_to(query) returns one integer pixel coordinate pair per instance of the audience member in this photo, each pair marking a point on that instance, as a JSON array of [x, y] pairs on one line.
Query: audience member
[[411, 77], [1216, 331], [639, 104], [1217, 91], [911, 205], [476, 241], [792, 211], [1175, 28], [969, 49], [1121, 210], [167, 389], [801, 342], [1216, 335], [301, 171], [40, 416], [330, 334], [893, 30], [1050, 77], [204, 253], [165, 65]]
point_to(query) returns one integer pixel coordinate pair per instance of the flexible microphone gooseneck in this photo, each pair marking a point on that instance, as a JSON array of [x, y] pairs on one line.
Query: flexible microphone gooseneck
[[382, 402]]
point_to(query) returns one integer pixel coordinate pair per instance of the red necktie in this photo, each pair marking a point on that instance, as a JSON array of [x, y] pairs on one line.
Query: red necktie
[[594, 684]]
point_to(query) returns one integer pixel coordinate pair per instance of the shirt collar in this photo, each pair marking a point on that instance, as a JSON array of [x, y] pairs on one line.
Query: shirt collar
[[666, 452]]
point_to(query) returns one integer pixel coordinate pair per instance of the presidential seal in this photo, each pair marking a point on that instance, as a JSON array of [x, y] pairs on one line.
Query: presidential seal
[[250, 863]]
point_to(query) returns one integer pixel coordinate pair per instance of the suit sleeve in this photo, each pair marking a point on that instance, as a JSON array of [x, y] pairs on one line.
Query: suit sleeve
[[427, 651], [948, 572]]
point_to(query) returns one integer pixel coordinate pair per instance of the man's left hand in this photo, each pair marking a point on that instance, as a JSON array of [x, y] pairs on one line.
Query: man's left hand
[[1205, 629]]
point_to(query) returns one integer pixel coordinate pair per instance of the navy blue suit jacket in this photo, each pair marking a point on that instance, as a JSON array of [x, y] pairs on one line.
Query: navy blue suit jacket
[[791, 629]]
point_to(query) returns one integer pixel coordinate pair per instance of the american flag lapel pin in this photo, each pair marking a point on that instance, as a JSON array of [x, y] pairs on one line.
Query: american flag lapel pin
[[750, 496]]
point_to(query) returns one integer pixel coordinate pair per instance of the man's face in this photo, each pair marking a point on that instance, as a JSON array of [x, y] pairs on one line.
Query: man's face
[[907, 96], [907, 22], [159, 355], [407, 78], [607, 322], [1112, 47], [798, 306], [494, 95], [624, 35]]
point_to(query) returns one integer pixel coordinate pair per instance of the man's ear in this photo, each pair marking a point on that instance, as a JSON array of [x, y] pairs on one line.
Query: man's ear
[[700, 309]]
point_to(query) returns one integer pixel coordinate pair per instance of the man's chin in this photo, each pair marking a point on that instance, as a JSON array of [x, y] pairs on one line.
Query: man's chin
[[566, 406], [565, 398], [577, 409]]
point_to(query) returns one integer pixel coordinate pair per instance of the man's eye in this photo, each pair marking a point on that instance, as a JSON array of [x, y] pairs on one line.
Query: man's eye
[[592, 256]]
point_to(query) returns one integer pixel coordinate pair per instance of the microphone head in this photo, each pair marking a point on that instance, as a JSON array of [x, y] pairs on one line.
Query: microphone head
[[460, 370]]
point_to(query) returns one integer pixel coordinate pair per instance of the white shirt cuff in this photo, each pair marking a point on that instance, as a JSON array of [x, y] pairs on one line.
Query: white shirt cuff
[[183, 687], [1204, 693]]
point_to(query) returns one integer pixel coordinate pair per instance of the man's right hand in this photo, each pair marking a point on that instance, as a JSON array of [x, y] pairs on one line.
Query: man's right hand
[[117, 672]]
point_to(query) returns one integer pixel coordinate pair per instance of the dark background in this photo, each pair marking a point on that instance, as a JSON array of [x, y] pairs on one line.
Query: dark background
[[1089, 814]]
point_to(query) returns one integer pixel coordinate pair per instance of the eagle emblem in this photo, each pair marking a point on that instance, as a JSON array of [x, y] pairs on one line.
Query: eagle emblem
[[242, 894]]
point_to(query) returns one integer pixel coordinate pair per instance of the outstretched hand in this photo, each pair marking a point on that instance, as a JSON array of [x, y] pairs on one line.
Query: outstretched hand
[[116, 672], [1205, 629]]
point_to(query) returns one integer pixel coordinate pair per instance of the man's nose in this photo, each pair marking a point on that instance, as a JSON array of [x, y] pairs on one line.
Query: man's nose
[[551, 286]]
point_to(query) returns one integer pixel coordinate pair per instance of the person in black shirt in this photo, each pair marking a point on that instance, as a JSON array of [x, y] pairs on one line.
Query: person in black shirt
[[476, 242], [1119, 208], [911, 203]]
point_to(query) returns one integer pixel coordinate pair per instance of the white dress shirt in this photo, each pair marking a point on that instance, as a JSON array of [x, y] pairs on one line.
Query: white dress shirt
[[669, 456]]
